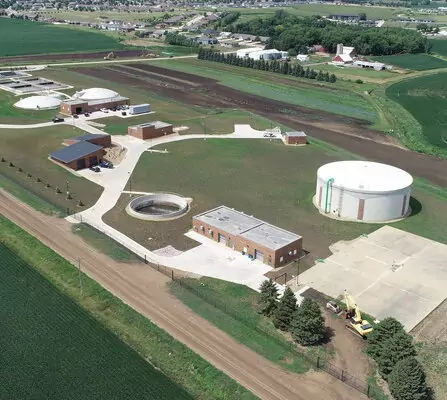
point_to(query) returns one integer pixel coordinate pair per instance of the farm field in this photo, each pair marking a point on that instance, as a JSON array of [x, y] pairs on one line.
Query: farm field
[[37, 347], [307, 10], [95, 16], [105, 311], [274, 182], [330, 98], [424, 98], [28, 149], [439, 46], [415, 62], [26, 37]]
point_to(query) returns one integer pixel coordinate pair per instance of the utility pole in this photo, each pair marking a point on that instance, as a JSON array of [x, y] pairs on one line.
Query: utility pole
[[298, 274], [80, 278]]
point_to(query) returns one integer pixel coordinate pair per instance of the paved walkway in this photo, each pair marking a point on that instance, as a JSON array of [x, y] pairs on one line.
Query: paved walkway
[[209, 258]]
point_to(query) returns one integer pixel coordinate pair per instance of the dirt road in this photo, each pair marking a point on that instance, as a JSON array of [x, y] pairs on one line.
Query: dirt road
[[349, 133], [145, 290]]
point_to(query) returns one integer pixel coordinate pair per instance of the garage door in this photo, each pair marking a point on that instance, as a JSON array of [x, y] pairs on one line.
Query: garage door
[[221, 238], [259, 255]]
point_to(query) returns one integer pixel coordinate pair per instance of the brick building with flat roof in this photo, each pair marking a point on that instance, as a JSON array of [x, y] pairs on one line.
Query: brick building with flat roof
[[250, 236], [79, 155], [295, 138], [150, 130], [80, 106]]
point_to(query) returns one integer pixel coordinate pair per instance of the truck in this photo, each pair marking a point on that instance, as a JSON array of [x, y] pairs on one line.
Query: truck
[[139, 109]]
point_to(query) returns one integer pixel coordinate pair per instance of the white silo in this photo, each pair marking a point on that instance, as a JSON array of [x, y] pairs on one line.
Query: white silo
[[363, 191]]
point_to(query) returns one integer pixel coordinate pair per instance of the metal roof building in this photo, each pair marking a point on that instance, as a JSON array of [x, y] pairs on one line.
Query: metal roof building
[[249, 235], [79, 155]]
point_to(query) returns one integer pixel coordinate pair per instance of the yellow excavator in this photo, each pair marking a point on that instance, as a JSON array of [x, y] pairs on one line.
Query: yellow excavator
[[110, 56], [357, 324]]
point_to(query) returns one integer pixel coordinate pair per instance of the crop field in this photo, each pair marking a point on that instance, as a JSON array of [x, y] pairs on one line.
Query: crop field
[[425, 98], [439, 46], [28, 149], [332, 99], [26, 37], [263, 178], [307, 10], [415, 62], [52, 349]]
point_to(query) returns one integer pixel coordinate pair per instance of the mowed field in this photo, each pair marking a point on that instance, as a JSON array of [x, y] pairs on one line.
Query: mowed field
[[262, 178], [26, 37], [425, 98], [52, 349], [415, 62], [28, 149]]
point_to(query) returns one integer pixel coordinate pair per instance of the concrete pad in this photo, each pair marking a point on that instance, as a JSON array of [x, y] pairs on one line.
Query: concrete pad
[[390, 273]]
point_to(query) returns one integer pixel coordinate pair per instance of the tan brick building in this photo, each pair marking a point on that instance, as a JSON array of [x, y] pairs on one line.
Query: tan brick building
[[150, 130], [295, 138], [250, 236], [79, 106]]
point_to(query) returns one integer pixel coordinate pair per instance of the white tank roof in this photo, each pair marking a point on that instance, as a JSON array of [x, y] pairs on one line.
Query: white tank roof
[[96, 94], [365, 176], [38, 103]]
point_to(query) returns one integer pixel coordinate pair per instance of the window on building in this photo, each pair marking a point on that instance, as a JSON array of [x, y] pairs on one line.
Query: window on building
[[281, 259], [294, 252]]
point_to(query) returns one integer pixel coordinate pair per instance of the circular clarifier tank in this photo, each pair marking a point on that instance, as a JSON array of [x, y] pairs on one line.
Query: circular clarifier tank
[[158, 207]]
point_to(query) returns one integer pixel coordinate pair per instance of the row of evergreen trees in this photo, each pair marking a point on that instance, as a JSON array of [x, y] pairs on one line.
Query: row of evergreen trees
[[393, 350], [305, 323], [279, 67]]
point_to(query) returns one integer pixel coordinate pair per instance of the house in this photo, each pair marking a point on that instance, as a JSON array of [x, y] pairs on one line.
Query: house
[[205, 40], [344, 17], [158, 34], [318, 49], [302, 57]]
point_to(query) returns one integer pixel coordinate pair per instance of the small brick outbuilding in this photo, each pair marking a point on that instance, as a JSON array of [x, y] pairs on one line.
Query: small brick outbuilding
[[150, 130], [79, 155], [295, 138]]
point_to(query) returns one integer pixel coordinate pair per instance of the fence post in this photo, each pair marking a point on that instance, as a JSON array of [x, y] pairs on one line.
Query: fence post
[[318, 361], [367, 390], [342, 376], [172, 274], [145, 260], [158, 267]]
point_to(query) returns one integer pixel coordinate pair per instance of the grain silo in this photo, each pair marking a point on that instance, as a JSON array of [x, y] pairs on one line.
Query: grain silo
[[363, 191]]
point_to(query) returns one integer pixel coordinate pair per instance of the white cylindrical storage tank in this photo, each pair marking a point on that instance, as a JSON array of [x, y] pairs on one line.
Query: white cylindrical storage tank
[[363, 191]]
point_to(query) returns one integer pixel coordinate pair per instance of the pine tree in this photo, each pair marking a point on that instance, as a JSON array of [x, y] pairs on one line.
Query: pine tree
[[285, 68], [285, 310], [332, 78], [320, 76], [268, 298], [307, 324], [407, 381], [387, 328], [327, 77], [396, 348]]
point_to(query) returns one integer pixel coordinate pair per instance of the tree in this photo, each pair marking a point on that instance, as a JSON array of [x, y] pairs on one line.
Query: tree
[[332, 78], [407, 381], [268, 298], [285, 310], [384, 331], [395, 349], [307, 324]]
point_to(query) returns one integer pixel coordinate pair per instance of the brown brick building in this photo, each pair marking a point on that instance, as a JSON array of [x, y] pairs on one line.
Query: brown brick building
[[295, 138], [250, 236], [82, 151], [150, 130], [79, 106], [79, 155]]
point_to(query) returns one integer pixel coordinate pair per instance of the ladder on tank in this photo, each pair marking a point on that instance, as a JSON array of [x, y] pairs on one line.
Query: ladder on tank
[[340, 200]]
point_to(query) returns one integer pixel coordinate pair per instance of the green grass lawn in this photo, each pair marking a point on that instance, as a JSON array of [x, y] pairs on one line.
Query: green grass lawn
[[12, 115], [415, 62], [52, 349], [26, 37], [267, 179], [425, 99], [332, 98], [248, 327], [68, 341], [104, 243], [28, 149], [356, 73]]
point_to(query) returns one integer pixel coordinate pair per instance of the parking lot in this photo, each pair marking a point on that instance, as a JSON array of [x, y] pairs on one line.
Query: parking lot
[[389, 272]]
